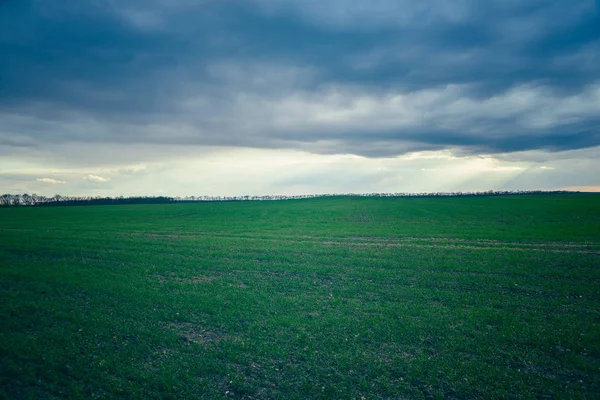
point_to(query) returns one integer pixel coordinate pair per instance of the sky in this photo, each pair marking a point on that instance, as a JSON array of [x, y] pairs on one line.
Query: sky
[[254, 97]]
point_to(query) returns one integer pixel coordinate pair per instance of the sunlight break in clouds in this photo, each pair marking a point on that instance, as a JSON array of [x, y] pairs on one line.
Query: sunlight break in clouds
[[96, 178], [588, 189], [51, 181], [290, 172]]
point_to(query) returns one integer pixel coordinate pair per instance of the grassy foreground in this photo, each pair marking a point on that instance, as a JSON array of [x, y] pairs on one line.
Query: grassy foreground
[[328, 298]]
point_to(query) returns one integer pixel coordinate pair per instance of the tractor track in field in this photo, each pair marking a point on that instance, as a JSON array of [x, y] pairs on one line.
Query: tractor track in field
[[505, 247], [411, 242], [365, 241]]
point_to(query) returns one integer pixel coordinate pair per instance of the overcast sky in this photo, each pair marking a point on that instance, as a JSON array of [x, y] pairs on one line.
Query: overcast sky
[[228, 97]]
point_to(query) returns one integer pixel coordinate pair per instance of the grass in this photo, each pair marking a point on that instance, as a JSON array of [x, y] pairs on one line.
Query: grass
[[483, 297]]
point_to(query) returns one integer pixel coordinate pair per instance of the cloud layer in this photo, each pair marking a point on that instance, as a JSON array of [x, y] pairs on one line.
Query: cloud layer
[[107, 84]]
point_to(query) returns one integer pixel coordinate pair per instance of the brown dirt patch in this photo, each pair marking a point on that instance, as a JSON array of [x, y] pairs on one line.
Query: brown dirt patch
[[194, 333]]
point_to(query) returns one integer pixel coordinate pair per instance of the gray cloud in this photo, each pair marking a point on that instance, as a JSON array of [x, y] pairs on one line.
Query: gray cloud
[[377, 78]]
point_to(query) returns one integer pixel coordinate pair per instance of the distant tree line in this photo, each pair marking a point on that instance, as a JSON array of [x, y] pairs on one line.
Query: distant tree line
[[9, 200], [58, 200]]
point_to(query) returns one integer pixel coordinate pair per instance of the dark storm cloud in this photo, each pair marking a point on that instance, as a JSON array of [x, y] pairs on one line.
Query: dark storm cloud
[[367, 77]]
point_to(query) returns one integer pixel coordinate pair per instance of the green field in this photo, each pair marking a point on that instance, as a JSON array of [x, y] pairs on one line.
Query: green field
[[457, 298]]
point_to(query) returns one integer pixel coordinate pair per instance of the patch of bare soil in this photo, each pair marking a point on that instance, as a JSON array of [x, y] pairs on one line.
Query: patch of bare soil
[[194, 333]]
